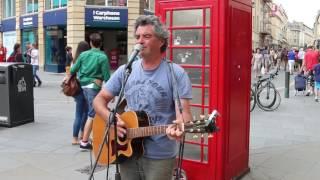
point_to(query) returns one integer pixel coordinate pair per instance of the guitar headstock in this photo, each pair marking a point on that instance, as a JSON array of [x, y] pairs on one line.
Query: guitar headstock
[[203, 125]]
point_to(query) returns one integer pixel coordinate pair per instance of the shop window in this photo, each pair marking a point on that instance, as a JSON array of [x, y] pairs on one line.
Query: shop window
[[107, 2], [9, 8], [53, 4], [28, 36], [29, 6], [54, 45], [149, 5]]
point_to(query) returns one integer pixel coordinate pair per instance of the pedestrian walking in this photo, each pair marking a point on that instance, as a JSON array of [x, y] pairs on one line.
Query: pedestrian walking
[[34, 54], [316, 70], [310, 60], [3, 53], [93, 68], [291, 59], [149, 89], [69, 58], [256, 62], [81, 111], [16, 55], [27, 53]]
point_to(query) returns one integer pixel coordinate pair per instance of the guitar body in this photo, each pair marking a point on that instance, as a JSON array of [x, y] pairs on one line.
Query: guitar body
[[125, 146]]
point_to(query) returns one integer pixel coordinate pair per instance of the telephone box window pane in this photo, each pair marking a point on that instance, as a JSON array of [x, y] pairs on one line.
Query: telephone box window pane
[[193, 151], [187, 37], [194, 75], [192, 17], [168, 17], [206, 76], [208, 37], [206, 96], [197, 111], [208, 17], [168, 54], [207, 57], [196, 92], [187, 56]]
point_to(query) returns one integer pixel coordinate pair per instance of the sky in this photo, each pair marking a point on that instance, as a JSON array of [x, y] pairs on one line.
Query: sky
[[301, 10]]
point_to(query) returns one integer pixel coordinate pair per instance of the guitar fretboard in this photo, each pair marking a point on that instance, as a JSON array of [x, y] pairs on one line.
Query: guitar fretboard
[[146, 131]]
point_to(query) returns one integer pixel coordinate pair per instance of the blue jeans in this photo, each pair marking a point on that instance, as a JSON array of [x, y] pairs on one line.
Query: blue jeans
[[81, 114], [89, 95], [35, 68]]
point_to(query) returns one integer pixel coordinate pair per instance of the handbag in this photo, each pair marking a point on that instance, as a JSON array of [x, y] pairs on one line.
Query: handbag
[[71, 86]]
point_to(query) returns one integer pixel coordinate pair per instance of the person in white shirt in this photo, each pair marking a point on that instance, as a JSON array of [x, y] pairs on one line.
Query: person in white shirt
[[35, 64]]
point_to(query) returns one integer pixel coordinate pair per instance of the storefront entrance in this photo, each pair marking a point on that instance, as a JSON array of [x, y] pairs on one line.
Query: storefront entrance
[[114, 44], [55, 54]]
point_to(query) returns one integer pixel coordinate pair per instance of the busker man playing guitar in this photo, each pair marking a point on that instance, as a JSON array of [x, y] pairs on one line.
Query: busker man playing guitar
[[149, 88]]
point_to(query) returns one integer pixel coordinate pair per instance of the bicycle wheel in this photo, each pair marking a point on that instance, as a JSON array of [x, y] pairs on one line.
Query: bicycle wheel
[[252, 100], [266, 96], [275, 105]]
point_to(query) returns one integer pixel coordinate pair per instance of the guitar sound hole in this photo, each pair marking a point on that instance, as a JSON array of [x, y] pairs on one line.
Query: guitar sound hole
[[122, 139]]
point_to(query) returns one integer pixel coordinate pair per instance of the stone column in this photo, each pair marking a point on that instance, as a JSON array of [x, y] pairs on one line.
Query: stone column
[[18, 31], [41, 37], [135, 9], [75, 23]]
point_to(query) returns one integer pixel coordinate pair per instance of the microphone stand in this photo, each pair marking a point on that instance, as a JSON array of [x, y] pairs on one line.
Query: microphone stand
[[113, 120]]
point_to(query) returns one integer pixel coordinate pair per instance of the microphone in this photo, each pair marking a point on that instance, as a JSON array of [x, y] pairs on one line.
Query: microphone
[[136, 49]]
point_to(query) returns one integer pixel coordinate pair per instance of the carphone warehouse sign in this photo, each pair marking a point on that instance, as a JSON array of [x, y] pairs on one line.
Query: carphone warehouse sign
[[106, 17]]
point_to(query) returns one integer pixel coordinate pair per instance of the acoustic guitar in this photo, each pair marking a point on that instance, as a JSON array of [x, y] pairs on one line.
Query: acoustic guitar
[[137, 128]]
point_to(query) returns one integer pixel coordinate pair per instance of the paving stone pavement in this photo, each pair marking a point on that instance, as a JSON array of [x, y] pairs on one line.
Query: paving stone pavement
[[284, 145]]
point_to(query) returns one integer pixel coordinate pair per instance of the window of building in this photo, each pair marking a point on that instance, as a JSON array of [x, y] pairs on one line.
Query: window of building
[[29, 6], [9, 8], [149, 5], [53, 4], [107, 2]]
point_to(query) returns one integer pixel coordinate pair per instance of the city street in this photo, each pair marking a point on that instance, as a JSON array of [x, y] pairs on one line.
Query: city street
[[284, 144]]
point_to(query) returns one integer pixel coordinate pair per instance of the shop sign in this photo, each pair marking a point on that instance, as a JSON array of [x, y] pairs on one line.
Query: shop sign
[[106, 17], [28, 21], [9, 24], [55, 17]]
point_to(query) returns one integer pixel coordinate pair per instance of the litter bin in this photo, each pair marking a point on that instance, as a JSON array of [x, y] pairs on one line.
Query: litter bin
[[16, 94]]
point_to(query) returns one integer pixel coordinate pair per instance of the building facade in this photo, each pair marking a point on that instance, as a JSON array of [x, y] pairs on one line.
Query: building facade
[[53, 24], [316, 31], [299, 35], [279, 23]]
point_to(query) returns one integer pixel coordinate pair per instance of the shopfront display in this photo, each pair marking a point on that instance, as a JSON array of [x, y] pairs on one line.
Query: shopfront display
[[111, 24], [54, 48], [29, 30], [9, 35], [55, 36]]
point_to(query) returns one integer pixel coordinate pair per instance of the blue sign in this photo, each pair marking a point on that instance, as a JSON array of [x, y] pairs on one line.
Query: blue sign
[[29, 21], [56, 17], [9, 24], [106, 17]]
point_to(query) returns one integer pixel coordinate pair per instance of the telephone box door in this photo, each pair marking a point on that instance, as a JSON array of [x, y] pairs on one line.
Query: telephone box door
[[190, 26]]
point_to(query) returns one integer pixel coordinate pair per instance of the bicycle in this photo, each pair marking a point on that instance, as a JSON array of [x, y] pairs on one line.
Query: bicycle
[[264, 94]]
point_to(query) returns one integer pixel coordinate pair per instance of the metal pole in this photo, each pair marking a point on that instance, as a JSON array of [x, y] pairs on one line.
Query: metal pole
[[286, 84]]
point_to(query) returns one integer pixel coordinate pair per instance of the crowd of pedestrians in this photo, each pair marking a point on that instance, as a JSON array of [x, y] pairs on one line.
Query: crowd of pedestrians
[[31, 56], [295, 61]]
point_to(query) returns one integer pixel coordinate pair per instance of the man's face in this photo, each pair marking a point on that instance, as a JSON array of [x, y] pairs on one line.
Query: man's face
[[150, 42]]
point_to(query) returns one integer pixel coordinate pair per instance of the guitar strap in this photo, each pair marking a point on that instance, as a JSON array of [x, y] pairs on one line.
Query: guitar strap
[[177, 102]]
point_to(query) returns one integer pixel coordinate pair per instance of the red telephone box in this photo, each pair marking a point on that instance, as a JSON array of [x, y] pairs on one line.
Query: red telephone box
[[211, 39]]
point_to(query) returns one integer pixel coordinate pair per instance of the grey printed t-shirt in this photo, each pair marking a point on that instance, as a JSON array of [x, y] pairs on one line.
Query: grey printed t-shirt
[[152, 92]]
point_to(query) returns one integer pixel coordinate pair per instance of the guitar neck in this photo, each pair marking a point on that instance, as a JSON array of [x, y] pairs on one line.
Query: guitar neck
[[146, 131]]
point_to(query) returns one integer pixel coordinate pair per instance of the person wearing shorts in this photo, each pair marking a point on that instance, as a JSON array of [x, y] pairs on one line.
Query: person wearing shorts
[[316, 72]]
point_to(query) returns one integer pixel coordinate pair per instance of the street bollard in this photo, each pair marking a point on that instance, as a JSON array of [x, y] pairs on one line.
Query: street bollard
[[286, 84]]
